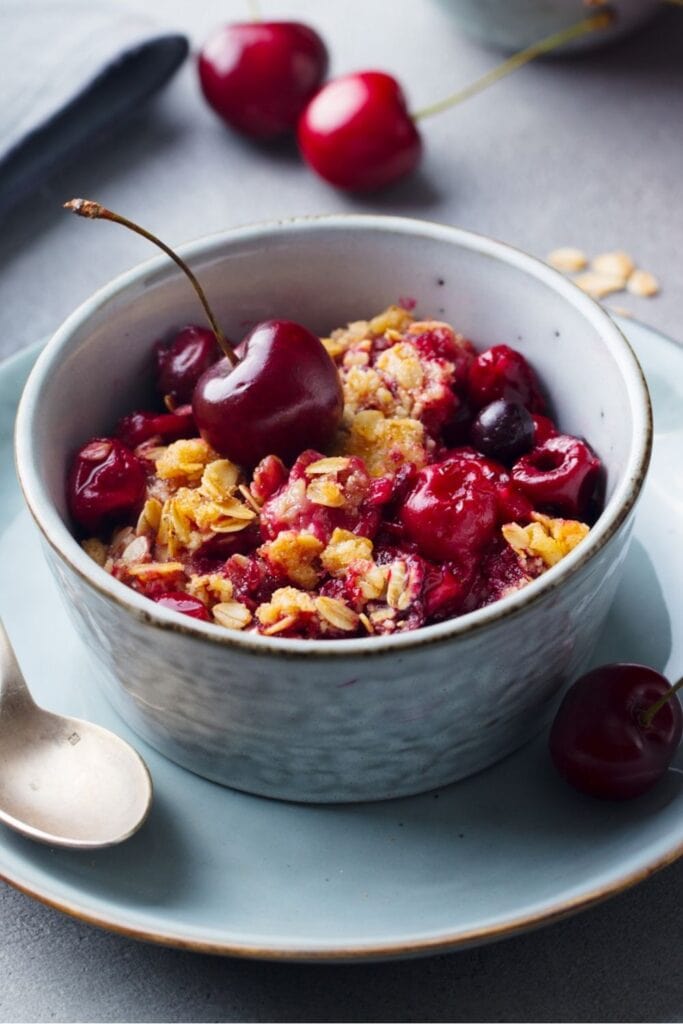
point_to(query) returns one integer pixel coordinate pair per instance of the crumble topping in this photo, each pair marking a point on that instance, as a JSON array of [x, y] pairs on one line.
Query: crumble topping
[[312, 550]]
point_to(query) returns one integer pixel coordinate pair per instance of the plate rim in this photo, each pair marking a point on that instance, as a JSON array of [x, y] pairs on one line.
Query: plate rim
[[316, 952]]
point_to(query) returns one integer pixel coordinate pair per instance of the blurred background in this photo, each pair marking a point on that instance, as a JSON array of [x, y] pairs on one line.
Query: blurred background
[[582, 150]]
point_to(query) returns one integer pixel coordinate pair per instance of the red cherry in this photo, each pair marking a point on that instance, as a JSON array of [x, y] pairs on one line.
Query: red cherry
[[561, 474], [357, 133], [106, 482], [604, 742], [503, 372], [177, 601], [283, 396], [181, 363], [258, 76], [170, 426], [543, 428], [451, 512]]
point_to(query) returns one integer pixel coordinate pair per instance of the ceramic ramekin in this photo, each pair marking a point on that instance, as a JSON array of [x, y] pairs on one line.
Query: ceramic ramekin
[[514, 24], [348, 719]]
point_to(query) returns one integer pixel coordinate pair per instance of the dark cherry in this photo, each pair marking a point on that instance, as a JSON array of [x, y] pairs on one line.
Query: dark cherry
[[503, 429], [259, 75], [503, 372], [177, 601], [169, 426], [106, 482], [181, 363], [357, 134], [452, 510], [282, 397], [561, 474], [616, 731]]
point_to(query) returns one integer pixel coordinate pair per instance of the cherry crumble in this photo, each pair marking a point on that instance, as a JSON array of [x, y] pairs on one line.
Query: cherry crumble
[[448, 486]]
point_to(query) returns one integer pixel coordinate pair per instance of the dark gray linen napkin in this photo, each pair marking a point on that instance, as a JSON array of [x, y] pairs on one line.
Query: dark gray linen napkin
[[71, 71]]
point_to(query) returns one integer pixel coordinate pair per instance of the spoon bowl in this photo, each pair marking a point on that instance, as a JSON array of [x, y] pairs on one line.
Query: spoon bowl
[[63, 781]]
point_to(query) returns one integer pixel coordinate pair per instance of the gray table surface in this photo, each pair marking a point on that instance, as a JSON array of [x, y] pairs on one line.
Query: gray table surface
[[587, 152]]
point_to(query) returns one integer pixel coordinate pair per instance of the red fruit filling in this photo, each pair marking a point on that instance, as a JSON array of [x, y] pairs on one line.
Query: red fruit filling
[[502, 372], [560, 475], [106, 483], [402, 521]]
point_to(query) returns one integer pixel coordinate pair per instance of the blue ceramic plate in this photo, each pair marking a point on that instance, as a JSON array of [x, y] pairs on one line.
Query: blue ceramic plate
[[223, 872]]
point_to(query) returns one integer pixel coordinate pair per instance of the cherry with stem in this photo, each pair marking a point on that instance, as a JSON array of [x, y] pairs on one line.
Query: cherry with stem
[[358, 134], [278, 394]]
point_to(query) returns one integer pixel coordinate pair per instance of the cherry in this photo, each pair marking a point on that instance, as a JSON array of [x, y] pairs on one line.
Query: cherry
[[561, 474], [177, 601], [616, 731], [106, 482], [283, 396], [451, 512], [169, 426], [181, 363], [503, 372], [543, 428], [357, 134], [503, 430], [258, 76]]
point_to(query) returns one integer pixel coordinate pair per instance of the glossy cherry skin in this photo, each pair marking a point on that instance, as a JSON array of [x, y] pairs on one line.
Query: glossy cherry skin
[[503, 429], [169, 426], [106, 482], [259, 75], [503, 372], [181, 363], [177, 601], [562, 474], [452, 510], [282, 397], [357, 134], [598, 742]]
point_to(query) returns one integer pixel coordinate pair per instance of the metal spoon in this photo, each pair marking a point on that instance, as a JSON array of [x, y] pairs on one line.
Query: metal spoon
[[63, 781]]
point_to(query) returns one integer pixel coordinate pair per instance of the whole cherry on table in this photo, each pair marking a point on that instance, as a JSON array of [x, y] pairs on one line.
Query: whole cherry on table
[[617, 730], [259, 75]]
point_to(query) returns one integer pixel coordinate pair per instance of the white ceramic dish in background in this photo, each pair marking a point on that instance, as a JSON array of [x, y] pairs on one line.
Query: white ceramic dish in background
[[350, 719], [218, 871], [514, 24]]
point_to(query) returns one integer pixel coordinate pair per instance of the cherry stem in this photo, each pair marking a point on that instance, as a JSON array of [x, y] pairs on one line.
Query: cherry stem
[[647, 715], [94, 211], [518, 60]]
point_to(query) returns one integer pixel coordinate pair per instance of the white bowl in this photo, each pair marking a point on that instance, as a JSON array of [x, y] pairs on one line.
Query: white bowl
[[515, 24], [344, 719]]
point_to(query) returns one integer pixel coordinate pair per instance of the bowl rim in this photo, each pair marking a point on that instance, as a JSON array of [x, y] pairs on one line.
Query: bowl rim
[[616, 511]]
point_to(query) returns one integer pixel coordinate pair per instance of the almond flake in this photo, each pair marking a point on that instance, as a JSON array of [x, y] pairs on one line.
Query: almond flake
[[332, 465], [398, 594], [598, 285], [325, 492], [281, 626], [567, 259], [642, 282], [231, 614], [337, 613], [96, 549], [613, 264], [157, 569]]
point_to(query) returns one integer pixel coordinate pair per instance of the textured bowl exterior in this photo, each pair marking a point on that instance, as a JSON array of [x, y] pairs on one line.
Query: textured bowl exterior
[[348, 728], [343, 720]]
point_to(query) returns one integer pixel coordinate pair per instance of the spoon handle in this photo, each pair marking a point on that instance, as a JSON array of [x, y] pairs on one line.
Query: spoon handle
[[13, 688]]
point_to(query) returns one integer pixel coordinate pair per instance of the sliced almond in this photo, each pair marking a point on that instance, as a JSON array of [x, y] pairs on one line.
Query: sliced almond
[[613, 264], [567, 259], [642, 282], [334, 464], [598, 285], [232, 614], [337, 613]]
